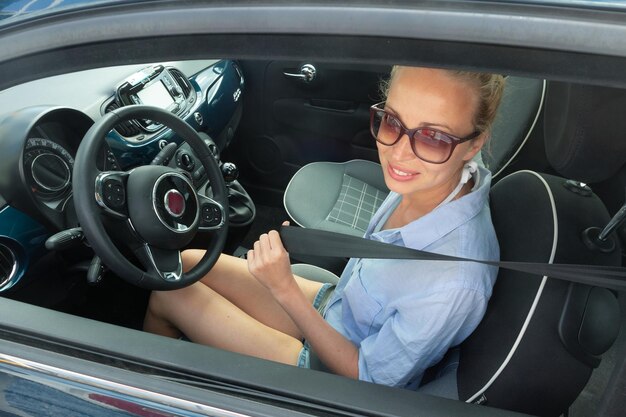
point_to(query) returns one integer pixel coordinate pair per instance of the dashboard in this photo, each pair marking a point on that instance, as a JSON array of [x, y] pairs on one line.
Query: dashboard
[[39, 140]]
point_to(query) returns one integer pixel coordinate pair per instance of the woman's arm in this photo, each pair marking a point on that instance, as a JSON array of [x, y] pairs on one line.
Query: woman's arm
[[269, 263]]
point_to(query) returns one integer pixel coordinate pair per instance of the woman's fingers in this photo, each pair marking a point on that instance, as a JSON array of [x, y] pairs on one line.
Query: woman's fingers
[[267, 252], [274, 240]]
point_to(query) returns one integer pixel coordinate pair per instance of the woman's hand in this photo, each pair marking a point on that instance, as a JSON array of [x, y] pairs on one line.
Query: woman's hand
[[268, 261]]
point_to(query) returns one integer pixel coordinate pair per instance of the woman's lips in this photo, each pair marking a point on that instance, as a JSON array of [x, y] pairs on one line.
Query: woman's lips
[[400, 175]]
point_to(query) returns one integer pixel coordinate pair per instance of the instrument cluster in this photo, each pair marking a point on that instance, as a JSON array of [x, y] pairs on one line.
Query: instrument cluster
[[48, 169]]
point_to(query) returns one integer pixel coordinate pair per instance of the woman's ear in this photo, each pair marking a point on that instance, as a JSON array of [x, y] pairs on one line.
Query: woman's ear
[[475, 146]]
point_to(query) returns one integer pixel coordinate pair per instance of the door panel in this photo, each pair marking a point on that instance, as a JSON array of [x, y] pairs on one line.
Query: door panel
[[288, 123]]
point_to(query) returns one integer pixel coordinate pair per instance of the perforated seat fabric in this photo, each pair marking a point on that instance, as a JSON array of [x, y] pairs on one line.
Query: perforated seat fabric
[[342, 197]]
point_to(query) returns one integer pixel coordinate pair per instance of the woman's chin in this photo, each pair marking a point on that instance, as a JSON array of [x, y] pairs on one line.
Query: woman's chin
[[401, 187]]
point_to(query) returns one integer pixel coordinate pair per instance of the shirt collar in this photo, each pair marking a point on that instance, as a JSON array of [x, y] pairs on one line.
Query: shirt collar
[[433, 226]]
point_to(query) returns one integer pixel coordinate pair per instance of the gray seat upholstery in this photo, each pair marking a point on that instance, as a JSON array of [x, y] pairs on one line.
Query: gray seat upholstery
[[522, 102], [342, 197], [314, 273]]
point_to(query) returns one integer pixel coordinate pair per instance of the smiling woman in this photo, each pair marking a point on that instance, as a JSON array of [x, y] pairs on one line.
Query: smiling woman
[[67, 64], [373, 327]]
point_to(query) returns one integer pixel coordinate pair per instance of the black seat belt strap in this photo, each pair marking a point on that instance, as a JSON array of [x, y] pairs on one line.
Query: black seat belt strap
[[301, 241]]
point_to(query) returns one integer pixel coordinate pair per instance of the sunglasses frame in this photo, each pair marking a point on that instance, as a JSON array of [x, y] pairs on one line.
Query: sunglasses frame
[[454, 140]]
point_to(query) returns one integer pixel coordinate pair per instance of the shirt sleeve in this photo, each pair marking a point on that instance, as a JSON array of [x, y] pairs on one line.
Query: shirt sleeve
[[418, 334]]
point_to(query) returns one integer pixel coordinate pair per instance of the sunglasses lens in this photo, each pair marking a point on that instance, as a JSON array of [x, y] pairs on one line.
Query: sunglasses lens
[[385, 128], [428, 144], [431, 146]]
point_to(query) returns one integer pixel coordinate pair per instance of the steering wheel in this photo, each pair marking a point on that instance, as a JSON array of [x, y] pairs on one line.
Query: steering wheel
[[156, 207]]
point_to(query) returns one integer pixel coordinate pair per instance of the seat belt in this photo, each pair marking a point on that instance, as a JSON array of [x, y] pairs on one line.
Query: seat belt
[[303, 241]]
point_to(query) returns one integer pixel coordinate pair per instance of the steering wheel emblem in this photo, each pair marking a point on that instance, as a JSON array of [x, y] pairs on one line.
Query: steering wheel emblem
[[174, 203]]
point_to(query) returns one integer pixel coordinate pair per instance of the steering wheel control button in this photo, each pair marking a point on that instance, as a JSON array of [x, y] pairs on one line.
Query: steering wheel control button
[[114, 194], [211, 215], [111, 163], [111, 193], [174, 203]]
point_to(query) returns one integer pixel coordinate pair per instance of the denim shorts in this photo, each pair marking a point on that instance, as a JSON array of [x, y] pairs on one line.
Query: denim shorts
[[319, 303]]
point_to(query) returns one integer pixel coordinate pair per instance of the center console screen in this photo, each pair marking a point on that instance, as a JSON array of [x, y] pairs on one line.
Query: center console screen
[[156, 95]]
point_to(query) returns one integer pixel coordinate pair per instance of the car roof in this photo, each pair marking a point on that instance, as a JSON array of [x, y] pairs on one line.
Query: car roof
[[524, 39]]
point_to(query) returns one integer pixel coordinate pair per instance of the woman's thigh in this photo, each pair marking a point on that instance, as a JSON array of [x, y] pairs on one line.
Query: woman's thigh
[[204, 316], [230, 278]]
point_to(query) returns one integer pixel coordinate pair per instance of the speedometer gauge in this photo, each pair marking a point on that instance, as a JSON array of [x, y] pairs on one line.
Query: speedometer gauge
[[48, 167]]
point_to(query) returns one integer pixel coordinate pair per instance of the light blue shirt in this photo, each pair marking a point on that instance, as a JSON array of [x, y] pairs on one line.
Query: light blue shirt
[[403, 315]]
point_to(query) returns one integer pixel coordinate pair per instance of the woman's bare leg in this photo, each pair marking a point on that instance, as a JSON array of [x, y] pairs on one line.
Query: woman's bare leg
[[230, 278], [206, 317], [172, 312]]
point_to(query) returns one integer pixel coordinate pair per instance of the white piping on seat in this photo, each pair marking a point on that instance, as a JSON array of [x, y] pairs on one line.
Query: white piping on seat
[[531, 312], [530, 131]]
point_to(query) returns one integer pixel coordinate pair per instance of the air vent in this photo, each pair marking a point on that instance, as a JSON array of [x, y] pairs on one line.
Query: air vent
[[8, 265], [127, 128], [182, 81]]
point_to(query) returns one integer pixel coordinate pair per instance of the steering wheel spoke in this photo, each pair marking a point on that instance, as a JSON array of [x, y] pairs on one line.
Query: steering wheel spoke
[[164, 263], [213, 216], [110, 193]]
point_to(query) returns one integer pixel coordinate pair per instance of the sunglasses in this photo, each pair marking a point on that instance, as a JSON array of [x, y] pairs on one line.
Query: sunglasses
[[428, 144]]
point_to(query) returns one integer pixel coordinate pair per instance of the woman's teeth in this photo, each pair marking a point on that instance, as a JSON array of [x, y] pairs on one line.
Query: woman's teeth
[[401, 173]]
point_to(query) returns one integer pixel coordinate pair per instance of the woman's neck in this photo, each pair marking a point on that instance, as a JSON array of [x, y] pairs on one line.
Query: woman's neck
[[415, 205]]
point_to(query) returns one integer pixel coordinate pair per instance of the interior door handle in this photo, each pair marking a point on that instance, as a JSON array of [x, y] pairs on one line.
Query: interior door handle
[[306, 75]]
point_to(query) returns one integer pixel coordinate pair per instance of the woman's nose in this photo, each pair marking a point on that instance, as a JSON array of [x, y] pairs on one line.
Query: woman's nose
[[402, 149]]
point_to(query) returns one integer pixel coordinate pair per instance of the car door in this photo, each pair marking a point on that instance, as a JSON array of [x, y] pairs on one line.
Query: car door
[[290, 120]]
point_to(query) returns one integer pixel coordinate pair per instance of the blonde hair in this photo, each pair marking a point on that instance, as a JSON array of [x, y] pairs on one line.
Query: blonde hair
[[489, 86]]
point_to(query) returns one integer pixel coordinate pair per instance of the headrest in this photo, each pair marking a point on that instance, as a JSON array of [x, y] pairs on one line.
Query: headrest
[[585, 130]]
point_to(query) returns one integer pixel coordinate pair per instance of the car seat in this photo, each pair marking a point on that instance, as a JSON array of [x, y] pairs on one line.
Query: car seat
[[342, 197], [540, 339]]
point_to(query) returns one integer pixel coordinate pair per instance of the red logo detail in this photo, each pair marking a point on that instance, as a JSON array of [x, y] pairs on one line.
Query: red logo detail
[[174, 203]]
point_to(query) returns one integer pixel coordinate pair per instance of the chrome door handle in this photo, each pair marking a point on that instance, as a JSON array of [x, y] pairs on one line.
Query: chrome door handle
[[306, 75]]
